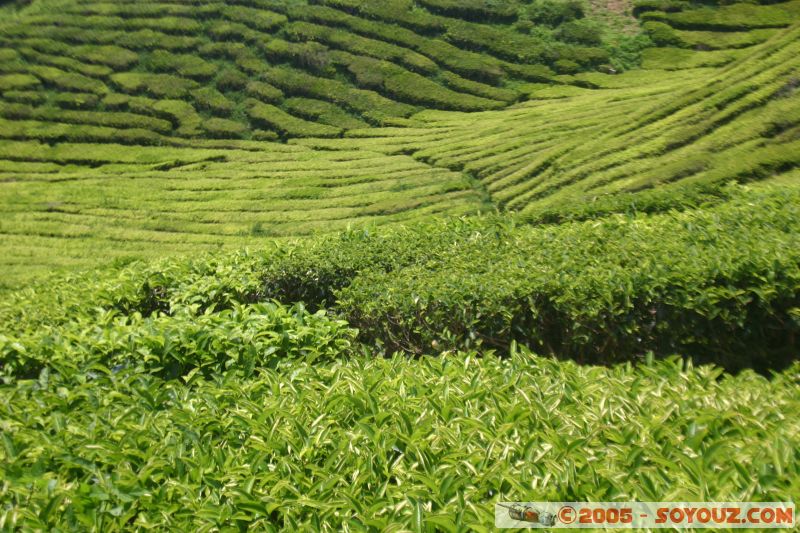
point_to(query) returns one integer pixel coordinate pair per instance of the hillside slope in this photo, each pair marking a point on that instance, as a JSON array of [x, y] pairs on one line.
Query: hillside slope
[[269, 68], [95, 168], [644, 138], [181, 395], [620, 323]]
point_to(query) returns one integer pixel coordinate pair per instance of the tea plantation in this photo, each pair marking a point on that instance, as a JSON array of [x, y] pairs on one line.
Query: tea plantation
[[377, 265]]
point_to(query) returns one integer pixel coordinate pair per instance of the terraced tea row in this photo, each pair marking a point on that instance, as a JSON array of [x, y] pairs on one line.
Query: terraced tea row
[[638, 139], [180, 394], [270, 69], [61, 205], [84, 168]]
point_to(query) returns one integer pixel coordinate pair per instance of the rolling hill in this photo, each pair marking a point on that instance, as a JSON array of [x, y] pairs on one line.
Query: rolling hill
[[93, 163], [373, 265]]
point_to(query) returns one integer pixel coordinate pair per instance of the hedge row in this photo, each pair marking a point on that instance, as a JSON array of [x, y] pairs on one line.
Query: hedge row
[[324, 112], [245, 337], [212, 100], [225, 129], [391, 11], [25, 97], [499, 41], [135, 40], [274, 118], [720, 284], [361, 45], [369, 104], [186, 65], [466, 63], [51, 132], [158, 85], [735, 17], [113, 56], [110, 119], [65, 63], [165, 24], [18, 81], [258, 19], [464, 85], [67, 81], [408, 86], [479, 10]]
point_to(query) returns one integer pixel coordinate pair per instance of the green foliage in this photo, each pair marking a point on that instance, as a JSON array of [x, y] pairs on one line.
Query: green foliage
[[554, 12], [179, 394], [80, 133], [361, 45], [580, 32], [734, 17], [25, 97], [126, 371], [67, 81], [347, 445], [223, 128], [400, 12], [369, 103], [626, 51], [714, 40], [323, 112], [311, 56], [565, 66], [669, 6], [499, 40], [258, 19], [188, 66], [269, 116], [662, 34], [705, 282], [17, 81], [678, 58], [567, 154], [410, 87], [239, 339], [593, 291], [185, 119], [263, 91], [232, 31], [497, 10], [76, 100], [110, 119], [158, 85], [210, 99], [231, 80], [114, 56], [458, 83]]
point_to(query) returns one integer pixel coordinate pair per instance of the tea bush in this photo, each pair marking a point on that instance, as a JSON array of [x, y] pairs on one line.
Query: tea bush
[[605, 290], [17, 81], [241, 338], [364, 443], [269, 116], [210, 99], [227, 129], [158, 85]]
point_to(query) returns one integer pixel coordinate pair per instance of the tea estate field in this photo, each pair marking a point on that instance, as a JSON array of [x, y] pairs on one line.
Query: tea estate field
[[377, 265], [85, 182]]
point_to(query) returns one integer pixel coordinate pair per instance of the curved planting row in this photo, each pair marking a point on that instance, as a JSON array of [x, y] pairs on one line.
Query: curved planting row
[[721, 284], [367, 61]]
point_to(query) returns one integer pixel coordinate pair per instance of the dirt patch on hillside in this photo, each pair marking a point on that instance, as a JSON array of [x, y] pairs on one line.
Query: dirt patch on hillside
[[617, 14]]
